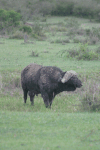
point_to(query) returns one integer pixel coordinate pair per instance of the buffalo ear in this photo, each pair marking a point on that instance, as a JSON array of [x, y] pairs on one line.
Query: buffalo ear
[[62, 75]]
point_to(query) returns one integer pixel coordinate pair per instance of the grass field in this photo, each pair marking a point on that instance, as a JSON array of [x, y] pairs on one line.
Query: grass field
[[46, 131], [71, 123]]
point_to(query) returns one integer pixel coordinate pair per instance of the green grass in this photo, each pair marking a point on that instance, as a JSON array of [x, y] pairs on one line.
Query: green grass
[[49, 131], [66, 125], [15, 56], [62, 103]]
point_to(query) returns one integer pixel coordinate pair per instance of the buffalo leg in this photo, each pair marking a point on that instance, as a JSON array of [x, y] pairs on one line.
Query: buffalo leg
[[51, 98], [46, 99], [31, 94], [32, 100], [25, 95], [50, 103]]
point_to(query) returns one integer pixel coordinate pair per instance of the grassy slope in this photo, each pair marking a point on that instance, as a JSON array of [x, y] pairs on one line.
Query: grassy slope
[[14, 55], [49, 131]]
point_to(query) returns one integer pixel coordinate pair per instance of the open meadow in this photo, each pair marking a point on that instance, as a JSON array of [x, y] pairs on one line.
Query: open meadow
[[73, 122]]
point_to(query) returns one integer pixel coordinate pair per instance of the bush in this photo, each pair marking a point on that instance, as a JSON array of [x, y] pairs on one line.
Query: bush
[[17, 35], [80, 39], [38, 32], [11, 80], [11, 17], [72, 31], [37, 29], [93, 40], [88, 31], [14, 17], [73, 53], [94, 32], [87, 55], [90, 98], [83, 53], [8, 20], [63, 8], [11, 83], [55, 28], [61, 41], [34, 54], [26, 29], [46, 7], [85, 9], [72, 22], [98, 50]]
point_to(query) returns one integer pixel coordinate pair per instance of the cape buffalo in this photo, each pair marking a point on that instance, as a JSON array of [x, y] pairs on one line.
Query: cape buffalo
[[47, 81]]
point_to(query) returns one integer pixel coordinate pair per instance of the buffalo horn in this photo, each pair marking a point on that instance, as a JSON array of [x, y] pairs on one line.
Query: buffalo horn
[[68, 75]]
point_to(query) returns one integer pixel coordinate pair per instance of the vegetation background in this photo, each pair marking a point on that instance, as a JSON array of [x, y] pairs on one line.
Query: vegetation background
[[62, 33]]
